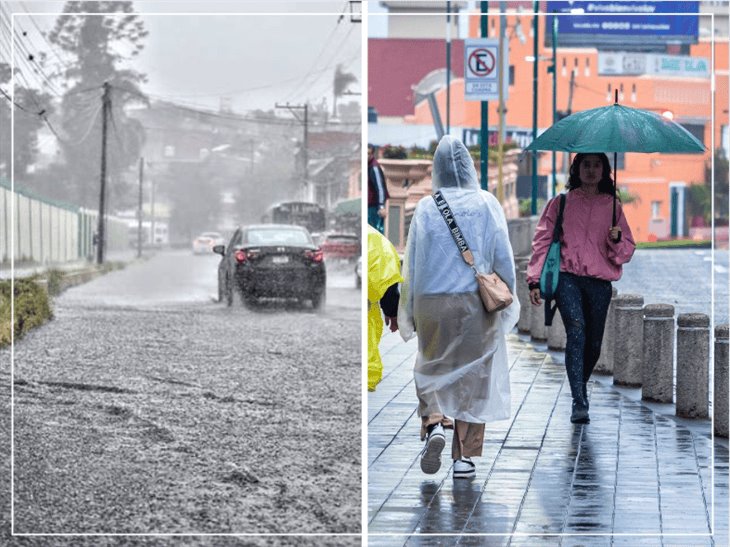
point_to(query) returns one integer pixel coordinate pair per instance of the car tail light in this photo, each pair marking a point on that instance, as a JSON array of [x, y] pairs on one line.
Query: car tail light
[[315, 256], [240, 256]]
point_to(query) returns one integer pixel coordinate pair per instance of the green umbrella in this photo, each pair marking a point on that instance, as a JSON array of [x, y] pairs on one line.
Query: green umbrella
[[617, 128]]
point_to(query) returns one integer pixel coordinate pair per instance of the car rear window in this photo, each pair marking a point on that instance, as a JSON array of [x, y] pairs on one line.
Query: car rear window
[[281, 236]]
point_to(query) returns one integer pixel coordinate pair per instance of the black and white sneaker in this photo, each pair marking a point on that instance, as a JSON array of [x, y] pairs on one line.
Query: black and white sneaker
[[464, 469], [431, 453]]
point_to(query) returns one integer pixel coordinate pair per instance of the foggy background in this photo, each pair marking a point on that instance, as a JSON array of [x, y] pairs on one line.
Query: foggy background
[[195, 89]]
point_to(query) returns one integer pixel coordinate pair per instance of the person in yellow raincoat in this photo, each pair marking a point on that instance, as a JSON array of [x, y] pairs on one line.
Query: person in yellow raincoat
[[383, 278]]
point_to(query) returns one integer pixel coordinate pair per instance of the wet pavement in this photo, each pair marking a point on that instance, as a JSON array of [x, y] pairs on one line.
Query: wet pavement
[[147, 407], [633, 476], [652, 273]]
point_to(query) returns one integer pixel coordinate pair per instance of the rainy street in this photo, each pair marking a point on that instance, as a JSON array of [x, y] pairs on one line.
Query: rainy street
[[146, 406]]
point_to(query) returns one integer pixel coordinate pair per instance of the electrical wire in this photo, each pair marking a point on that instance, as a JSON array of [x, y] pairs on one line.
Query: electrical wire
[[27, 57], [316, 59], [337, 52], [88, 129], [40, 32], [20, 107]]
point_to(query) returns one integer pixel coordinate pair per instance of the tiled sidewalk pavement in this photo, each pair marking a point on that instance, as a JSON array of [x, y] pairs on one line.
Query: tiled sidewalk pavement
[[628, 477]]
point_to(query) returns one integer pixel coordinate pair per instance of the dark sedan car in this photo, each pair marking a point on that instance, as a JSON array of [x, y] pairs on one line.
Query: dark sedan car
[[271, 260]]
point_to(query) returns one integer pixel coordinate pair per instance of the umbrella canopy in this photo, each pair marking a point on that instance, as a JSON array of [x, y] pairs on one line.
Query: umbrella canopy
[[348, 207], [617, 128]]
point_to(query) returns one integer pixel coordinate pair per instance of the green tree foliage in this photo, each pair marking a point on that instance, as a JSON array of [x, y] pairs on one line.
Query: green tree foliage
[[722, 185], [99, 45]]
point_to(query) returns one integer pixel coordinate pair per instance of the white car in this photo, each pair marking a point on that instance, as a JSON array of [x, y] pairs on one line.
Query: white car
[[204, 243]]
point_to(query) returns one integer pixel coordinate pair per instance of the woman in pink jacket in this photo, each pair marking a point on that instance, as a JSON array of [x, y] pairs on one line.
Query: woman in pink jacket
[[591, 256]]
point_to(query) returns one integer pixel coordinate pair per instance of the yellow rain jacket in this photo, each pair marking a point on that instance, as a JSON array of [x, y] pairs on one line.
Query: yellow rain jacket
[[383, 271]]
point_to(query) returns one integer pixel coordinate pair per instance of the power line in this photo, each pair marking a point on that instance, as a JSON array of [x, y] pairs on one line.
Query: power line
[[26, 56], [10, 99], [317, 58], [50, 46], [31, 56], [337, 52]]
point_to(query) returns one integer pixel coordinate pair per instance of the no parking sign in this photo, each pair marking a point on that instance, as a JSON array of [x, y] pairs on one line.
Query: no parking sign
[[481, 69]]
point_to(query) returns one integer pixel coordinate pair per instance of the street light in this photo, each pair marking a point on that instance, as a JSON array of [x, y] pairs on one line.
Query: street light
[[535, 56]]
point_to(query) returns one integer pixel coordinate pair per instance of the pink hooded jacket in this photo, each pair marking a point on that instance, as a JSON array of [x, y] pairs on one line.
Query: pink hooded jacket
[[586, 247]]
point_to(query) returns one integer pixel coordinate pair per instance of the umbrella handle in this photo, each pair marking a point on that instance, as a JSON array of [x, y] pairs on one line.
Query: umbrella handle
[[615, 186]]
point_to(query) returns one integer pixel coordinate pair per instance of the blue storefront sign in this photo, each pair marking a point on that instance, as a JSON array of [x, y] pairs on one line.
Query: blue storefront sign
[[615, 23]]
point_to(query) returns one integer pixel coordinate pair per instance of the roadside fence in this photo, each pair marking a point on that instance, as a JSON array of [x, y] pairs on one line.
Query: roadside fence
[[51, 232]]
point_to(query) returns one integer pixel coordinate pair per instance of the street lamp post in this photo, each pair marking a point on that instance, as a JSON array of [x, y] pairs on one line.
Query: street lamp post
[[535, 6], [448, 67], [554, 69]]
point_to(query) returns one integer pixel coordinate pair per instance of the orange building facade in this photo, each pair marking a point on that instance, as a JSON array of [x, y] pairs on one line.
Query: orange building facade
[[658, 181]]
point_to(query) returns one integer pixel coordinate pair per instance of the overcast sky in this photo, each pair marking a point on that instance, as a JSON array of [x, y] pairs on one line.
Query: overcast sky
[[256, 53]]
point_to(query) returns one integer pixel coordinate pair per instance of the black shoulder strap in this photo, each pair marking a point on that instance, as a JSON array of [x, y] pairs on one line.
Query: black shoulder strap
[[454, 229], [558, 229]]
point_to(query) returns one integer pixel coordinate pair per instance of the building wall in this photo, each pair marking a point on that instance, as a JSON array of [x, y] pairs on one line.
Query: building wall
[[689, 100]]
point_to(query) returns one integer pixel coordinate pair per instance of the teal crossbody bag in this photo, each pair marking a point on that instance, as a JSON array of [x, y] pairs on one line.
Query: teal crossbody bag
[[550, 275]]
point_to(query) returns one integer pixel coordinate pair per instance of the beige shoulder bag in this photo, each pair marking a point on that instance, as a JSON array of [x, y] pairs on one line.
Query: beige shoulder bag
[[494, 292]]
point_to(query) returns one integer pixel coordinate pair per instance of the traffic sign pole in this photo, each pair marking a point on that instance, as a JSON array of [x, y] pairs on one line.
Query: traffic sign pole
[[484, 129]]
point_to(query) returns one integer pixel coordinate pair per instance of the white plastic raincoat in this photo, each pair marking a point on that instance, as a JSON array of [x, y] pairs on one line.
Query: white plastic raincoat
[[461, 369]]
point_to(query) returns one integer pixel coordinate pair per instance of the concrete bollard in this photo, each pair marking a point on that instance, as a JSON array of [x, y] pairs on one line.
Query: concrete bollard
[[693, 363], [628, 340], [523, 294], [720, 379], [605, 361], [657, 368], [556, 337]]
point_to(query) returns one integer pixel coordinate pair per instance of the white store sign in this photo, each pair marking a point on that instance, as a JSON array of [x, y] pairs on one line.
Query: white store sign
[[681, 66]]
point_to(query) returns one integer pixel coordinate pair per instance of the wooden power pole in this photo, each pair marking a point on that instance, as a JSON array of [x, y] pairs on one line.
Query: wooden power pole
[[106, 107]]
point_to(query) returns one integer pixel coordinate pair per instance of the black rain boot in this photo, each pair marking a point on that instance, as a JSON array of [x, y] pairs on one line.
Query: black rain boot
[[579, 413], [587, 376]]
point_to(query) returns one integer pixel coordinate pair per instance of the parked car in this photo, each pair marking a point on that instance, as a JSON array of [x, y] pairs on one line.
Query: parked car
[[205, 242], [341, 246], [271, 260]]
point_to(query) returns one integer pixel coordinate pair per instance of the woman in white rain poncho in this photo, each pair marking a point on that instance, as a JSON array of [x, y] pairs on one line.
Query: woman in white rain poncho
[[461, 371]]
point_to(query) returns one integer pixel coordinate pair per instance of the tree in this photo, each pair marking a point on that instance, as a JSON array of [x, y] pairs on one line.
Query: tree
[[722, 186], [341, 82], [99, 44]]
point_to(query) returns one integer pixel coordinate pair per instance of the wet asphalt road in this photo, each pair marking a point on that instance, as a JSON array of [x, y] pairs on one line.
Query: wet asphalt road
[[146, 406]]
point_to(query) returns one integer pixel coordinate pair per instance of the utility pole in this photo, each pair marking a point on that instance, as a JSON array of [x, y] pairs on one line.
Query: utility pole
[[568, 113], [105, 108], [139, 208], [448, 67], [152, 211], [535, 38], [305, 143], [554, 69], [484, 129], [500, 83]]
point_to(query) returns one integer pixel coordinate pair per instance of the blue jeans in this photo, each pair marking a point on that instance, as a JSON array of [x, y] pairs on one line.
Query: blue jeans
[[583, 303], [375, 220]]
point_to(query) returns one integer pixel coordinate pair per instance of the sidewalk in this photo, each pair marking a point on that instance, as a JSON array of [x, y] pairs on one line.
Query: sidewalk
[[629, 476], [23, 270]]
